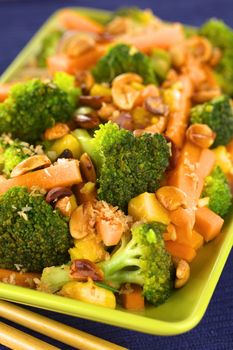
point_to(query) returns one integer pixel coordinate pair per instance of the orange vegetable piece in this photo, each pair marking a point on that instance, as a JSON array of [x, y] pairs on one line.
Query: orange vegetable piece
[[181, 251], [64, 175], [23, 279], [178, 120], [195, 240], [208, 223], [184, 219], [164, 37], [75, 21], [62, 62], [133, 300], [4, 91]]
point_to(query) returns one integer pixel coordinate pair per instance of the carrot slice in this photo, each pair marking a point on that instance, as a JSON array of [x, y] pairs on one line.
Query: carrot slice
[[181, 251], [208, 223], [4, 91], [75, 21], [134, 299], [178, 119], [23, 279], [183, 219], [164, 37], [65, 175]]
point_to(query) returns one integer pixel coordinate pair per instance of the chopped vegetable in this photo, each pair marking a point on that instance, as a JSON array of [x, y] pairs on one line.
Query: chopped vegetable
[[121, 59], [144, 261], [127, 165], [37, 237], [218, 115]]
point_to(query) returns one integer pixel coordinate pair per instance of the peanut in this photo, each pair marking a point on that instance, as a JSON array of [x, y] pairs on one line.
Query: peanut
[[201, 135], [171, 197]]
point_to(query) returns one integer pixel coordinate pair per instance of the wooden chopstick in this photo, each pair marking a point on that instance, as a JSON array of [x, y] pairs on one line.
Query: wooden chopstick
[[63, 333], [17, 340]]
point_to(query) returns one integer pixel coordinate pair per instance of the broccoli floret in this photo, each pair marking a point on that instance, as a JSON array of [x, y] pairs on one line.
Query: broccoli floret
[[53, 278], [34, 106], [32, 234], [126, 165], [142, 260], [221, 36], [218, 115], [216, 187], [12, 152], [48, 47], [123, 59]]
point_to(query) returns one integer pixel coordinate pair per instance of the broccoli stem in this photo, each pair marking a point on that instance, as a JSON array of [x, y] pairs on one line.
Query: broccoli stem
[[85, 140]]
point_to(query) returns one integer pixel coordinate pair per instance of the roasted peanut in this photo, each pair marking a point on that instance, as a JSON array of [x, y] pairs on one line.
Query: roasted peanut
[[182, 273], [201, 135], [171, 197], [83, 269], [206, 95], [124, 93], [31, 163], [87, 168], [200, 48], [80, 221], [86, 121], [74, 43], [56, 131]]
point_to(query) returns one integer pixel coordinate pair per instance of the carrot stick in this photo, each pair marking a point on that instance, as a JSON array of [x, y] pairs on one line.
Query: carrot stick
[[208, 223], [65, 175], [23, 279], [62, 62], [178, 119], [184, 176], [183, 219], [181, 251], [4, 91], [73, 20], [164, 37], [133, 300]]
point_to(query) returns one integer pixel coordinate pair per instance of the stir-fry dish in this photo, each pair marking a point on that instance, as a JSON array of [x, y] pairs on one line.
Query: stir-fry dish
[[116, 157]]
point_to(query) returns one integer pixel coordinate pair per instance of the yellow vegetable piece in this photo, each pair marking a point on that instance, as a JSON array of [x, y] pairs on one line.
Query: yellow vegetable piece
[[88, 248], [100, 90], [223, 159], [89, 293], [146, 207], [67, 142]]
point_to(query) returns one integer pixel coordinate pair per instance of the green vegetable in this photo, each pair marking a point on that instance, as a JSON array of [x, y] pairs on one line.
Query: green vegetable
[[126, 165], [123, 59], [12, 152], [34, 106], [136, 14], [48, 47], [218, 115], [216, 187], [142, 260], [161, 60], [221, 36], [32, 234], [53, 278]]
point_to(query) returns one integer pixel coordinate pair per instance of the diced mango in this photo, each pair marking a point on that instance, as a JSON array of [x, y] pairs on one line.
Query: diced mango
[[67, 142], [89, 293], [223, 159], [146, 207]]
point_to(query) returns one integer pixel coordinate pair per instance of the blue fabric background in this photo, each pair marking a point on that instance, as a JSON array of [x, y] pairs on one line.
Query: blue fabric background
[[19, 20]]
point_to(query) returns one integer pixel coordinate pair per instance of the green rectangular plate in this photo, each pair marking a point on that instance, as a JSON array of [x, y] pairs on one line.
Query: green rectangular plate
[[185, 307]]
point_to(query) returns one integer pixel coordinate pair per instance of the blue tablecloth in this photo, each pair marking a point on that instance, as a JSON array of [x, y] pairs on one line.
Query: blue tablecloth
[[19, 20]]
